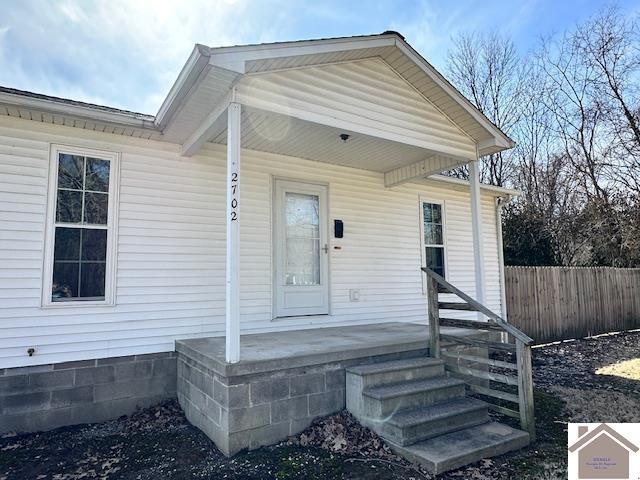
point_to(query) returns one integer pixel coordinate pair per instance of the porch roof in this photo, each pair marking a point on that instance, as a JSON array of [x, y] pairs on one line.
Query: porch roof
[[211, 72]]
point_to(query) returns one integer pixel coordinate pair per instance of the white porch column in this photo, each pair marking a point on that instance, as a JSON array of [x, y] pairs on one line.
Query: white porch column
[[232, 352], [476, 227]]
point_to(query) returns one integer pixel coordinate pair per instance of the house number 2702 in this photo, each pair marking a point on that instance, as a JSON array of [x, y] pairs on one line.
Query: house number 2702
[[234, 197]]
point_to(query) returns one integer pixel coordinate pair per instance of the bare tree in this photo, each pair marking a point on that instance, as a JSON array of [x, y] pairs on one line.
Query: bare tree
[[578, 117], [609, 45], [487, 70], [573, 108]]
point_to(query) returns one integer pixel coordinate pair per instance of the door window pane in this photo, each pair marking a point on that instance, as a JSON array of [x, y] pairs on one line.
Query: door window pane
[[302, 215], [302, 223], [303, 261]]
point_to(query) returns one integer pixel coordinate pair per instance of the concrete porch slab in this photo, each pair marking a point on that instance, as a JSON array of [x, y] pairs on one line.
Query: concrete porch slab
[[267, 352], [284, 379]]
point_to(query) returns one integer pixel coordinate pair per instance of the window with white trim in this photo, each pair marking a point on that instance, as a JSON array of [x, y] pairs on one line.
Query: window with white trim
[[433, 238], [81, 227]]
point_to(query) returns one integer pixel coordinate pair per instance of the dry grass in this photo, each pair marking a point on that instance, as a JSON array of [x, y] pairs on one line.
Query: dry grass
[[599, 405], [629, 369]]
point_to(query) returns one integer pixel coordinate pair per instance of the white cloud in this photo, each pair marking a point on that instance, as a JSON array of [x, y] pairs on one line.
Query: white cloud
[[128, 53], [123, 53]]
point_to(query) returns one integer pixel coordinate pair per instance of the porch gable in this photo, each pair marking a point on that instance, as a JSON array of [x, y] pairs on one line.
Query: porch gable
[[365, 96]]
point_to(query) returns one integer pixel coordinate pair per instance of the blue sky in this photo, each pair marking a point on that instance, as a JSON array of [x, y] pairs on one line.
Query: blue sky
[[127, 53]]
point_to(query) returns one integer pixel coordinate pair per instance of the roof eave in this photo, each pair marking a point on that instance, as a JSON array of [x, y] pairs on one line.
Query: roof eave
[[497, 133], [498, 191], [235, 58], [192, 70], [85, 112]]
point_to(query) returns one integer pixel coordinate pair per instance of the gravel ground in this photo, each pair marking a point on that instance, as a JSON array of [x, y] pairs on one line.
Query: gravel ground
[[592, 380]]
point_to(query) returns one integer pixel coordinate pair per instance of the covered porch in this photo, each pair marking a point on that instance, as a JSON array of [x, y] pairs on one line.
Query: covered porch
[[370, 104], [285, 135], [356, 108]]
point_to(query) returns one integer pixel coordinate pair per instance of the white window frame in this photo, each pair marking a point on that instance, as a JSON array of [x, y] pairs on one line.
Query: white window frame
[[111, 227], [423, 246]]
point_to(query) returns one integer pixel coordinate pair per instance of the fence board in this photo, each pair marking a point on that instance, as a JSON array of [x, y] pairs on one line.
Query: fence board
[[560, 303]]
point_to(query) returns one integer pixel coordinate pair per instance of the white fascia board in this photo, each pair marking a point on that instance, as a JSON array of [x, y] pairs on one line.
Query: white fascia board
[[78, 111], [493, 145], [497, 191], [454, 93], [235, 58], [189, 76]]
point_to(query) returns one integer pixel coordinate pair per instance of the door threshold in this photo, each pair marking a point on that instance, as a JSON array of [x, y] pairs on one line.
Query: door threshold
[[302, 318]]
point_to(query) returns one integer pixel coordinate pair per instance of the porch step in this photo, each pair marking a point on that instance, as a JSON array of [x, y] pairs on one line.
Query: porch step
[[425, 415], [456, 306], [463, 447], [411, 426], [398, 371], [388, 399]]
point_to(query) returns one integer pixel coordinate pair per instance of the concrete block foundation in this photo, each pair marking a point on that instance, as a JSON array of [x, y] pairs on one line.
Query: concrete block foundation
[[262, 401], [45, 397]]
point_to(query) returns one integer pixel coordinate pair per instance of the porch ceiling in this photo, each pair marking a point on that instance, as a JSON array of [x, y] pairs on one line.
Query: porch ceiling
[[281, 134]]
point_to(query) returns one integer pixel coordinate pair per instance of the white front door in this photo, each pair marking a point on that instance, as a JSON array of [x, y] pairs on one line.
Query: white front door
[[301, 251]]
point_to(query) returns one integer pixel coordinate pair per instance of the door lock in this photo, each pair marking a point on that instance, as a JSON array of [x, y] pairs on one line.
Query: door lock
[[325, 248]]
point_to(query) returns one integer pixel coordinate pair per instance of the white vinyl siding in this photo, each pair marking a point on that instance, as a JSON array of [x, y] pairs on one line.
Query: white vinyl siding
[[171, 247], [366, 95]]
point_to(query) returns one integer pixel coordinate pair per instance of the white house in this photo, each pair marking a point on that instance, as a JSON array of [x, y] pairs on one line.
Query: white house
[[280, 187]]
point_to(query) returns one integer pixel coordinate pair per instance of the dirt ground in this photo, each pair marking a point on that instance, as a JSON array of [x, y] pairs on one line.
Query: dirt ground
[[593, 380]]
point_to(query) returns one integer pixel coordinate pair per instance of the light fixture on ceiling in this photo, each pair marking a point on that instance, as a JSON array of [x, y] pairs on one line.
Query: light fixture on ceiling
[[345, 137]]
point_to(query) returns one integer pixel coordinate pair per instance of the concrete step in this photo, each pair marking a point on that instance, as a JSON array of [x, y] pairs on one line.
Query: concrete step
[[381, 402], [397, 371], [411, 426], [454, 450]]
